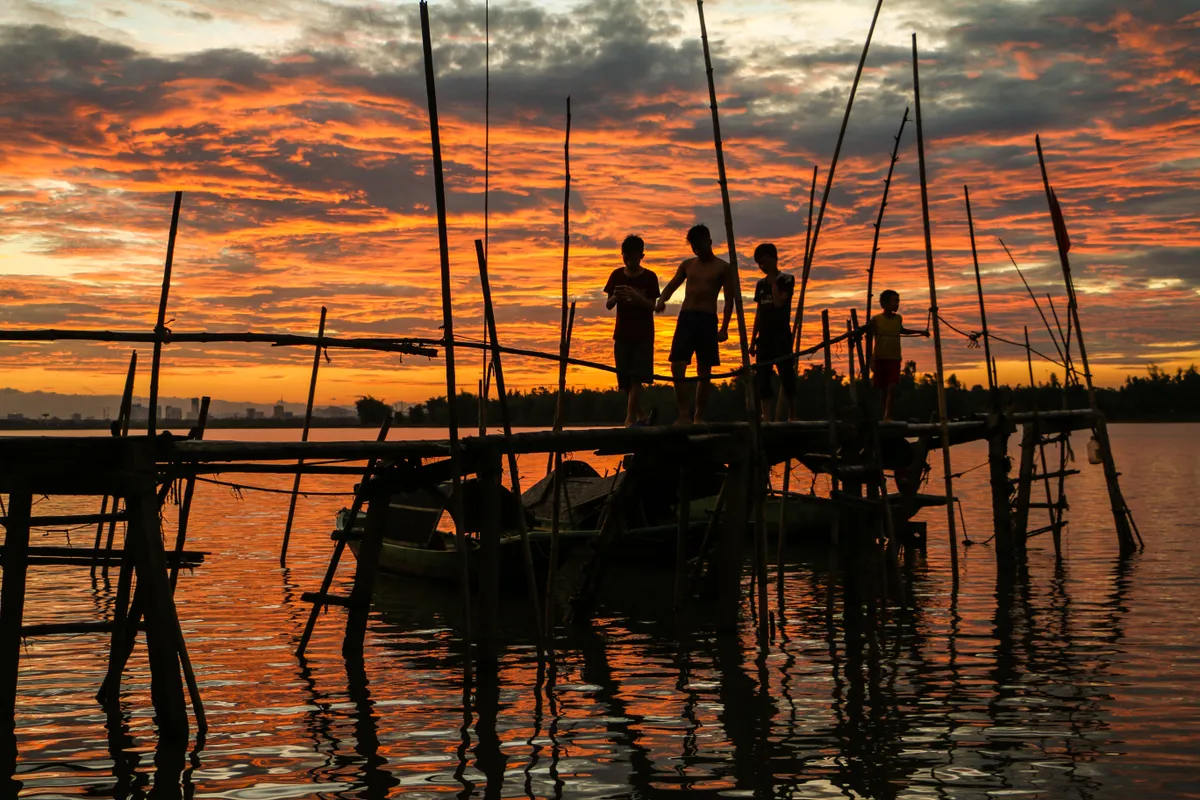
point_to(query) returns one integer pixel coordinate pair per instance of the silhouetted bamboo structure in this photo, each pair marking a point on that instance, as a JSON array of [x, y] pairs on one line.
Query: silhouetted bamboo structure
[[751, 395], [439, 186], [937, 331], [160, 327], [1120, 511], [887, 185], [121, 428], [308, 414], [562, 331], [987, 344], [556, 466], [514, 474], [1053, 338], [189, 490], [837, 150]]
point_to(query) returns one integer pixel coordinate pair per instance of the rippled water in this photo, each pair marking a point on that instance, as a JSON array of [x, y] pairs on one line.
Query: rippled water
[[1081, 681]]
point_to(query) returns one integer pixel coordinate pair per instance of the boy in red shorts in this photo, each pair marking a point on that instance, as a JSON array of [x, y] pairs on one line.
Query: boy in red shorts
[[885, 330]]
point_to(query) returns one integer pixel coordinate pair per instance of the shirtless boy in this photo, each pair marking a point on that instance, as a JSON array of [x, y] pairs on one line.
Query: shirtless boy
[[696, 328]]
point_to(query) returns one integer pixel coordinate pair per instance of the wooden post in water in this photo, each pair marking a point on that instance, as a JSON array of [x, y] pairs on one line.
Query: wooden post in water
[[160, 327], [514, 475], [887, 185], [1120, 510], [308, 414], [1051, 509], [456, 501], [189, 490], [12, 609], [831, 415], [556, 465], [562, 332], [937, 330], [121, 429], [756, 459]]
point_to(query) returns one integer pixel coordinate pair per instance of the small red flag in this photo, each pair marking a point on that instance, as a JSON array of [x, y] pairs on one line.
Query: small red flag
[[1060, 226]]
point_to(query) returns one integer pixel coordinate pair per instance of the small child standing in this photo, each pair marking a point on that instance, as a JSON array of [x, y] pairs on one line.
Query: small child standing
[[885, 330], [632, 290], [771, 339]]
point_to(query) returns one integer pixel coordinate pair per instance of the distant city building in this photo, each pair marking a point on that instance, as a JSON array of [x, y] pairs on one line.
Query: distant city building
[[173, 413], [139, 413], [195, 406], [251, 413], [279, 412]]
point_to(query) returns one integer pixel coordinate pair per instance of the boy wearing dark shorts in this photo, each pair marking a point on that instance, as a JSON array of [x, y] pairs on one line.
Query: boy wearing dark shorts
[[885, 330], [696, 331], [772, 336], [632, 289]]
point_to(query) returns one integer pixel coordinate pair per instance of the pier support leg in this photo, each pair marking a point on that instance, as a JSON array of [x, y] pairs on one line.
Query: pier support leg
[[999, 430], [488, 592], [1116, 499], [12, 611], [730, 549], [367, 569], [1020, 522]]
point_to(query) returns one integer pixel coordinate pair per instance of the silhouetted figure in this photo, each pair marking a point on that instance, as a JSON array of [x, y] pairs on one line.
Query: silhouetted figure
[[772, 336], [885, 329], [633, 290], [696, 328]]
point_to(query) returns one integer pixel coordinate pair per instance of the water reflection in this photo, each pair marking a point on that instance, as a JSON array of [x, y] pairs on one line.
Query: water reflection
[[883, 679]]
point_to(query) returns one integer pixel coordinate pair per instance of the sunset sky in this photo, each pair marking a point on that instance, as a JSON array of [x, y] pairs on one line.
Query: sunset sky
[[298, 131]]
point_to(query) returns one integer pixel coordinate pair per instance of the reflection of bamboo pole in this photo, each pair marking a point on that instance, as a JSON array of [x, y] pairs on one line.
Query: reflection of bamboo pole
[[308, 414], [833, 169], [514, 475], [562, 333], [160, 327], [439, 187], [756, 473], [1120, 510], [887, 184], [556, 513], [987, 346], [937, 330]]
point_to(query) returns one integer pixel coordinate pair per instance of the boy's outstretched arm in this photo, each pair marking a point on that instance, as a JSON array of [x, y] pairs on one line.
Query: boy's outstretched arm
[[729, 288], [673, 284]]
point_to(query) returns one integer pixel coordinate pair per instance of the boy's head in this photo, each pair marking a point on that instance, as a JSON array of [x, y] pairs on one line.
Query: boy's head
[[701, 240], [632, 250], [889, 300], [766, 256]]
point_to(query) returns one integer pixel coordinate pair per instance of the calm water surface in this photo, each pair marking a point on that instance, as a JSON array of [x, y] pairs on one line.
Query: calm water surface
[[1079, 682]]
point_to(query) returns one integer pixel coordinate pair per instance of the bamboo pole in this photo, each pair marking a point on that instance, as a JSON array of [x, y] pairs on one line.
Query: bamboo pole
[[751, 395], [189, 490], [562, 332], [439, 185], [340, 547], [514, 475], [308, 414], [831, 416], [987, 345], [833, 169], [1050, 506], [1120, 510], [556, 465], [121, 429], [14, 561], [1036, 304], [160, 327], [887, 185], [937, 330]]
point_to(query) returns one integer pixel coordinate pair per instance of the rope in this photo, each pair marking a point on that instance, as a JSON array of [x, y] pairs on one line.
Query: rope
[[240, 487], [975, 336], [972, 469]]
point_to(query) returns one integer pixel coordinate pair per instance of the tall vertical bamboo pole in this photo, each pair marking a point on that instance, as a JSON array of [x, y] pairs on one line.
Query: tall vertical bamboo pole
[[514, 475], [160, 327], [439, 187], [937, 330], [987, 346], [562, 337], [1050, 509], [752, 406], [556, 464], [1120, 510], [833, 168], [887, 185], [308, 414]]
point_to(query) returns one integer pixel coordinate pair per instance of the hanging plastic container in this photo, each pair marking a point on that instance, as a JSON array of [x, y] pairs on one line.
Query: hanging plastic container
[[1093, 448]]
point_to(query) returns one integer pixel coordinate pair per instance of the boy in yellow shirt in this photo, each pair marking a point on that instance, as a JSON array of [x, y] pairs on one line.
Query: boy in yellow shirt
[[885, 330]]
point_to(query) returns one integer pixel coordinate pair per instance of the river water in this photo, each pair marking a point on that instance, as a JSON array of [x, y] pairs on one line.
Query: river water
[[1080, 681]]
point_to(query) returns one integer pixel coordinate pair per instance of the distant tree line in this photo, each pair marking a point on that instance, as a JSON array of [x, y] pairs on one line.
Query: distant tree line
[[1156, 397]]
